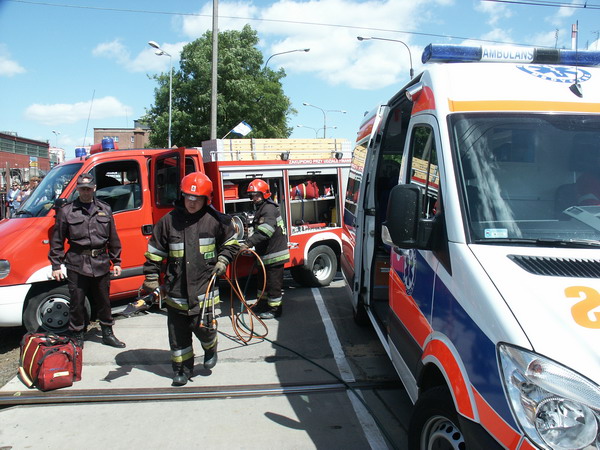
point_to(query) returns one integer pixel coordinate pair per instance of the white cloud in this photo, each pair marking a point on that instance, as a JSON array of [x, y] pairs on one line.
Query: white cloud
[[494, 11], [146, 61], [62, 113], [9, 67]]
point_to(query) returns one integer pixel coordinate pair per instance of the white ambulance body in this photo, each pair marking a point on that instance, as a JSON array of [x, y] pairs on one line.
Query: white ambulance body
[[472, 244]]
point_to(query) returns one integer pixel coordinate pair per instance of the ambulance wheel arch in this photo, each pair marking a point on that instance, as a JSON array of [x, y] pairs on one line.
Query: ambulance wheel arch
[[47, 308], [320, 263]]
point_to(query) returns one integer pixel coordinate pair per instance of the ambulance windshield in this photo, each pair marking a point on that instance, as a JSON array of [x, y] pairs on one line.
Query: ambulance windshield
[[529, 177], [42, 198]]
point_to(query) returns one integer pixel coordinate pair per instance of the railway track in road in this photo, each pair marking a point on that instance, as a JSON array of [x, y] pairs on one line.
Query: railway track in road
[[19, 398]]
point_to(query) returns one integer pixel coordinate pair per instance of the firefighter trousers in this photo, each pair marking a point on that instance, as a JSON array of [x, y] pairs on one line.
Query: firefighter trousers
[[97, 290], [274, 285], [181, 325]]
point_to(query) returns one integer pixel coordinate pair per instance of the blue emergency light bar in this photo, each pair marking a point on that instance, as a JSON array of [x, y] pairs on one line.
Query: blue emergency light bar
[[514, 54]]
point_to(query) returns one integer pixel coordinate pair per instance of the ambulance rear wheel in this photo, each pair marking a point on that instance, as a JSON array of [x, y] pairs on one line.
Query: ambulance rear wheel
[[320, 267], [434, 422], [49, 311]]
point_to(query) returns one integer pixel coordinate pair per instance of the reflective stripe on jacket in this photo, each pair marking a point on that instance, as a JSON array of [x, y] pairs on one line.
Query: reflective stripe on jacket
[[191, 245], [269, 237]]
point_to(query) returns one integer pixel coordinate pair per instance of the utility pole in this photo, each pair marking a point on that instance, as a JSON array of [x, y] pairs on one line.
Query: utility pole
[[215, 58]]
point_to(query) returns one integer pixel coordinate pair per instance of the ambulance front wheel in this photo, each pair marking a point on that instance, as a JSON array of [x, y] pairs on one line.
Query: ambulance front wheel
[[319, 268], [434, 422], [48, 310]]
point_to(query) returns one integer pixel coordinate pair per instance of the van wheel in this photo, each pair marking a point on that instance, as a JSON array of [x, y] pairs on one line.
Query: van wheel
[[49, 311], [320, 267], [434, 422]]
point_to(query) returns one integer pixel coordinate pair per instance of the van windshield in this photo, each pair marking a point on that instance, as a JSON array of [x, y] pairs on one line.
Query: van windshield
[[529, 178], [41, 200]]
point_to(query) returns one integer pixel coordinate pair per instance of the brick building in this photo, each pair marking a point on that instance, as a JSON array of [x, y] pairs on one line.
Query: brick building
[[125, 138]]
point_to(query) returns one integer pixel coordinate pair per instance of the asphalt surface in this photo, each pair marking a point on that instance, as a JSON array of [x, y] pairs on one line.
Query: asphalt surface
[[316, 381]]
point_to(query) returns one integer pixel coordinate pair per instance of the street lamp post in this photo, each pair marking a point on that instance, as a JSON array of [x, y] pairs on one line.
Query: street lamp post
[[325, 111], [56, 133], [160, 52], [283, 53], [412, 72], [316, 130]]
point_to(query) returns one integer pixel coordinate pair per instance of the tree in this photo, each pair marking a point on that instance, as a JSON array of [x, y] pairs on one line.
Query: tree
[[244, 92]]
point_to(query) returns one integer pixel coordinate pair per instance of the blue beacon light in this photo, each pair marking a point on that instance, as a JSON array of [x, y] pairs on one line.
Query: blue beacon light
[[514, 54]]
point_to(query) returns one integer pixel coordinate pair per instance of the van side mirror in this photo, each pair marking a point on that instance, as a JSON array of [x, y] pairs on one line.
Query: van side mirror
[[405, 227], [59, 203]]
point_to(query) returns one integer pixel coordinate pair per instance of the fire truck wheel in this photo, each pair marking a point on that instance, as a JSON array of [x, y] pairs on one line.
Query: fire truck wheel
[[434, 422], [320, 267], [49, 311]]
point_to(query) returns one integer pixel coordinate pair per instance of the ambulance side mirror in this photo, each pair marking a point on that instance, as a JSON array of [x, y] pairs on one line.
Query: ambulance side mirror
[[404, 226]]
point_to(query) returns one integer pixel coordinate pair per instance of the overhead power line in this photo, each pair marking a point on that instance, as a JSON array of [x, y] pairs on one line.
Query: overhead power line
[[254, 19], [582, 5]]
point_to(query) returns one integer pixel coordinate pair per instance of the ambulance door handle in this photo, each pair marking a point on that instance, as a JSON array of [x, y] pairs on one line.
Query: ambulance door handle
[[147, 230]]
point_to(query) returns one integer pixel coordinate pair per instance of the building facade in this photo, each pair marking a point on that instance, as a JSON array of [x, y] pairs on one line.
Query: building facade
[[125, 138]]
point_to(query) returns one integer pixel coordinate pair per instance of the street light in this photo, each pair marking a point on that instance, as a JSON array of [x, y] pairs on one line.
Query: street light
[[56, 133], [325, 111], [316, 130], [160, 52], [412, 72], [283, 53]]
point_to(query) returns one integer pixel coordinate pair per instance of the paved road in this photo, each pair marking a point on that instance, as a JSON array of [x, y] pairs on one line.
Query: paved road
[[288, 391]]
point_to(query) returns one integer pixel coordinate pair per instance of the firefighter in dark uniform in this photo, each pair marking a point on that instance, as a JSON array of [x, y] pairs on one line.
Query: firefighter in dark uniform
[[88, 225], [270, 244], [196, 241]]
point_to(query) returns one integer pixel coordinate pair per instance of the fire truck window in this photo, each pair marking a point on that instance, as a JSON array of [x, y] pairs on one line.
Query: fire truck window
[[118, 185], [167, 180]]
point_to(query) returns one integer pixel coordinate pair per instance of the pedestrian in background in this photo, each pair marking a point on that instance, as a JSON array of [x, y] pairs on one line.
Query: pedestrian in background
[[196, 241], [271, 245], [88, 225], [24, 193], [11, 197]]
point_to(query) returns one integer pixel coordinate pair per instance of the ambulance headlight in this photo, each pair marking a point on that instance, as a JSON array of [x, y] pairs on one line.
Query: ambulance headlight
[[556, 407], [4, 268]]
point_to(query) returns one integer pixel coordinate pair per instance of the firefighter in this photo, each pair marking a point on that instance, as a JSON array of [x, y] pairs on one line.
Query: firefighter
[[88, 225], [196, 241], [270, 244]]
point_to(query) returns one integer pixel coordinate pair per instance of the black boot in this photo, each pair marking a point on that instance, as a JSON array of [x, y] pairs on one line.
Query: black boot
[[179, 379], [272, 313], [260, 306], [108, 338], [210, 357]]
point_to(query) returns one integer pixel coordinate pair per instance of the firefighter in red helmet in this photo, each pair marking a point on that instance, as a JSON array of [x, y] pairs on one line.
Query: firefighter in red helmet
[[270, 243], [196, 241]]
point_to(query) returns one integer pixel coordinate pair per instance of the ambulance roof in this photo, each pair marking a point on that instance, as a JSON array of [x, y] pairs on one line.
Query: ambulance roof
[[510, 86]]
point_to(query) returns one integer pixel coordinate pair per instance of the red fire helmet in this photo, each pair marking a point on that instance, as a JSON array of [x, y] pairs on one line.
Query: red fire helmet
[[197, 184], [261, 186]]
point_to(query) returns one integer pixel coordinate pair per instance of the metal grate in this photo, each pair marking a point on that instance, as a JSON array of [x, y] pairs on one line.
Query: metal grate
[[558, 267]]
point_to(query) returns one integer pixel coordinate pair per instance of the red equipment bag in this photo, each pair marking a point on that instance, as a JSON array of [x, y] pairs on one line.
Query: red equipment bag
[[49, 361], [306, 190]]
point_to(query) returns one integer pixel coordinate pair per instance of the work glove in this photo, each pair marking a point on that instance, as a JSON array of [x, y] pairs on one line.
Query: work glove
[[244, 249], [150, 283], [219, 268]]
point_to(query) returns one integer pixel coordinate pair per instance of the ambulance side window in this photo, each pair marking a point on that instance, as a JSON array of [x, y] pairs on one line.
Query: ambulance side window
[[424, 170]]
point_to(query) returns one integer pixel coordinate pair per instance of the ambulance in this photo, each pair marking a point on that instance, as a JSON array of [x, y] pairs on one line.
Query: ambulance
[[141, 185], [472, 245]]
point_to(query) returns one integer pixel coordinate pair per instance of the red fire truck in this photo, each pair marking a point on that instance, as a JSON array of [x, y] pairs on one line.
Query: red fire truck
[[141, 186]]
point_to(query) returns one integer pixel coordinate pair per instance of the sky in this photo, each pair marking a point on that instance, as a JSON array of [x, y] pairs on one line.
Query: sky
[[68, 66]]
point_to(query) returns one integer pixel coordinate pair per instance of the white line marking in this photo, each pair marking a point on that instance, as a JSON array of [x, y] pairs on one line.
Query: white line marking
[[370, 428]]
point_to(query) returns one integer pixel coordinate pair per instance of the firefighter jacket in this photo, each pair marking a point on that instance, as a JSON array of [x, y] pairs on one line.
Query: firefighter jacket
[[92, 237], [269, 234], [190, 245]]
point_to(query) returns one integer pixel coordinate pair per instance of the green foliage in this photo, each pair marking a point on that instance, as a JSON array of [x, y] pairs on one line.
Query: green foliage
[[244, 92]]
